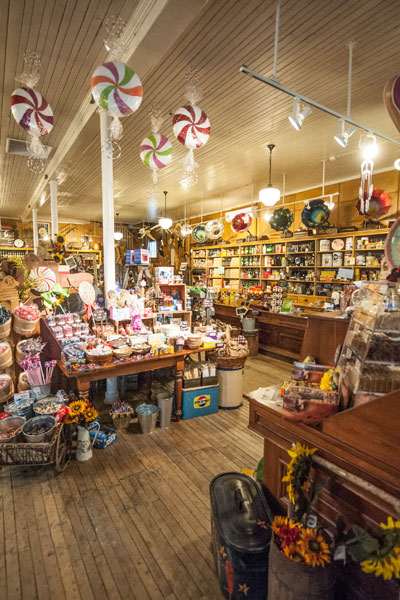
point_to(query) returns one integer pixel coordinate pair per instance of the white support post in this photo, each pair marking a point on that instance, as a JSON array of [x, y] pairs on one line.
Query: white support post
[[53, 208], [35, 230], [107, 185]]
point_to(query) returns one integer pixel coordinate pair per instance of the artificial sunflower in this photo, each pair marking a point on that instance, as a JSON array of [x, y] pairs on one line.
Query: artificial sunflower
[[314, 549], [278, 522], [70, 419], [57, 258], [90, 414], [298, 469], [293, 553], [388, 566], [77, 407], [391, 524], [60, 239]]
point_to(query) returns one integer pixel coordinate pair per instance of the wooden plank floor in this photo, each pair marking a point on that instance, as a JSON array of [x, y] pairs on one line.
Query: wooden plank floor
[[132, 523]]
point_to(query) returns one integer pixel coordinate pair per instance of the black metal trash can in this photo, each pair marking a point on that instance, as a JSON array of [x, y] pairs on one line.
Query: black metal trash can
[[241, 535]]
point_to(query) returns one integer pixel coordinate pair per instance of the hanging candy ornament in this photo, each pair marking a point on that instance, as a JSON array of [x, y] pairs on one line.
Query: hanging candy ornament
[[191, 127], [117, 89], [366, 188], [43, 279], [88, 296], [391, 97], [156, 153], [379, 205]]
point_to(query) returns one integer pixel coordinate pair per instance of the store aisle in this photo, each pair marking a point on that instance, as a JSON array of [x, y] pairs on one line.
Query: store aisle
[[134, 521]]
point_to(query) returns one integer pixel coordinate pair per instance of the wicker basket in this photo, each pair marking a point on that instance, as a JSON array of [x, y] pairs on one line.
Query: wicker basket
[[121, 352], [229, 362], [99, 359], [19, 354], [6, 392], [5, 329], [24, 327], [121, 421], [23, 383], [142, 350], [6, 357]]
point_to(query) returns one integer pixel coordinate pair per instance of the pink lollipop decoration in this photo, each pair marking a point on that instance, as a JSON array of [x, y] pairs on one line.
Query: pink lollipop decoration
[[191, 126], [32, 111], [44, 279], [117, 89], [87, 295]]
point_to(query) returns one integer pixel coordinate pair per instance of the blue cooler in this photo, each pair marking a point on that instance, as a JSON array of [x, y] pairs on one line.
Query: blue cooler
[[241, 534], [200, 401]]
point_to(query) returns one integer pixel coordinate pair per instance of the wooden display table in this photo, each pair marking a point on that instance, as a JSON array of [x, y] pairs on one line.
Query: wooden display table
[[360, 449], [176, 360]]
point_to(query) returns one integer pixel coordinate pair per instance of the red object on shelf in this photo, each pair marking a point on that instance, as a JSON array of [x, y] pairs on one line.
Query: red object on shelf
[[379, 204]]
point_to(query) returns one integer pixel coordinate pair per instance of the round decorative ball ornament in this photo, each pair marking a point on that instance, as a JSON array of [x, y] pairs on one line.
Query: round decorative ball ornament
[[32, 111], [315, 214], [44, 279], [117, 89], [156, 151], [281, 219], [191, 126]]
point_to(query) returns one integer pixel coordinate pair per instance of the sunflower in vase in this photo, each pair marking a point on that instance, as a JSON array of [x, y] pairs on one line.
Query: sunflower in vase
[[81, 413]]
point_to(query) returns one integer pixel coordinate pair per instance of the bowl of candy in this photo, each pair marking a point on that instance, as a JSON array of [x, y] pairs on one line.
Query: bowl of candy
[[48, 406], [39, 429], [100, 354], [10, 428]]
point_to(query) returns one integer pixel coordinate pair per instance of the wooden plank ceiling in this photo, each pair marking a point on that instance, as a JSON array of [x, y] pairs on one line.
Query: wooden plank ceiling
[[245, 114]]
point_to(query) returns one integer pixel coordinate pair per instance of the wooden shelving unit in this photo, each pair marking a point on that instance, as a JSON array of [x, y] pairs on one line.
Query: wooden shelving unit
[[226, 265]]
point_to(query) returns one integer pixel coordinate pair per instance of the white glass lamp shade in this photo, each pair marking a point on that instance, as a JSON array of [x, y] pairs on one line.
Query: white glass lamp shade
[[118, 235], [269, 196], [164, 222]]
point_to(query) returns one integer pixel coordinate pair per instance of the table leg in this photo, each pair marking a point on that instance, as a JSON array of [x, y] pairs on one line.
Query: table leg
[[83, 389], [178, 389]]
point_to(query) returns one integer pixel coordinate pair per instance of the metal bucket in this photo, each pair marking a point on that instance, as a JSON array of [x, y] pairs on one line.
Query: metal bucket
[[40, 392], [147, 414], [248, 323], [5, 424], [164, 401], [41, 437]]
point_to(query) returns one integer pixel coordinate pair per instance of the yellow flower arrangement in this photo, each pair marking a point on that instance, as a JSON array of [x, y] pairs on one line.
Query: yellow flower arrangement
[[81, 412], [90, 414], [77, 407], [313, 548], [327, 381], [58, 258], [297, 470], [293, 553], [60, 239]]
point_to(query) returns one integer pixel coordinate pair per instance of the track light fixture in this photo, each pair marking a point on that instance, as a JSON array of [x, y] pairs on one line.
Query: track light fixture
[[269, 195], [300, 112], [343, 136]]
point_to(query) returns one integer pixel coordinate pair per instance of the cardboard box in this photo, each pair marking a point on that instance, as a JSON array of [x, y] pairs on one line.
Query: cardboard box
[[164, 275], [139, 256]]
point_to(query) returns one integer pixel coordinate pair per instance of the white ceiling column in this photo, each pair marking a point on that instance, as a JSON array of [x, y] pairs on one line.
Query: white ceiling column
[[35, 230], [54, 208]]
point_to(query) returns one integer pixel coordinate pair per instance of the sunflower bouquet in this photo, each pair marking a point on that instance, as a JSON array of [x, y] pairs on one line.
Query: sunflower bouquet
[[81, 413], [301, 544]]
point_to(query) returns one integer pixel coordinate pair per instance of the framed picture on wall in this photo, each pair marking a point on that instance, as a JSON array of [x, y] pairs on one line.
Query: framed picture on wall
[[43, 232]]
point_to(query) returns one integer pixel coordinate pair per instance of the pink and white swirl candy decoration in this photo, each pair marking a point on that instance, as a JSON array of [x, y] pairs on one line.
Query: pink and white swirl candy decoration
[[32, 111], [43, 278], [117, 89], [156, 151], [191, 126]]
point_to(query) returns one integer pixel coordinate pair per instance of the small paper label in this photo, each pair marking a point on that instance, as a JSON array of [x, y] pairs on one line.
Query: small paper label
[[312, 521], [340, 553]]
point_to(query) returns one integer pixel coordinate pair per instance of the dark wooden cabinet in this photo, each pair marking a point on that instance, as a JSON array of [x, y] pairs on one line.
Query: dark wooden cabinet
[[281, 334]]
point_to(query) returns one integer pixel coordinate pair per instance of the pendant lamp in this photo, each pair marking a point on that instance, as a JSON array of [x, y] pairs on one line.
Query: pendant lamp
[[165, 222], [118, 235], [269, 196]]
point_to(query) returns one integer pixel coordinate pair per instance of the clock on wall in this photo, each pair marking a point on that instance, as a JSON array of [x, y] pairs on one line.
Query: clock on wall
[[19, 243]]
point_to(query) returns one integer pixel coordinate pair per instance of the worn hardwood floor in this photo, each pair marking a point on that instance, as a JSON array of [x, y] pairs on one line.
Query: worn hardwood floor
[[132, 523]]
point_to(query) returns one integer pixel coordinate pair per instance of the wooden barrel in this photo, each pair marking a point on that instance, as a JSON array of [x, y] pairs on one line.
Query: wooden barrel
[[5, 329], [24, 327], [252, 341], [289, 580], [19, 354], [6, 355], [6, 389]]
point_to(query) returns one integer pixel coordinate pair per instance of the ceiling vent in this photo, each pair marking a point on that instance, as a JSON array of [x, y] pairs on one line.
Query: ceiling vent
[[19, 147]]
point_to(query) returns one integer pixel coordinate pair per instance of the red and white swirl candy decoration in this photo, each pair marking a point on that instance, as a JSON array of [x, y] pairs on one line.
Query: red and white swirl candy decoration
[[117, 89], [32, 111], [191, 126], [43, 279]]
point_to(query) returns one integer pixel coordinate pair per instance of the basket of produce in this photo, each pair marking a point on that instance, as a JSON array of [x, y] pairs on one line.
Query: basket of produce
[[10, 428], [56, 452], [121, 414], [25, 319], [123, 351], [39, 429], [141, 349], [100, 355]]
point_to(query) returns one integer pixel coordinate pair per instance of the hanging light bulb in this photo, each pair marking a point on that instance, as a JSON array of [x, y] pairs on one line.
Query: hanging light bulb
[[299, 114], [269, 195], [118, 235], [368, 146], [267, 216], [165, 222], [343, 136], [397, 164]]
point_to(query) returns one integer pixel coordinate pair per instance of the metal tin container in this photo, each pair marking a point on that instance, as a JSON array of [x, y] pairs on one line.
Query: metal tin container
[[325, 245], [44, 421], [6, 424], [337, 259]]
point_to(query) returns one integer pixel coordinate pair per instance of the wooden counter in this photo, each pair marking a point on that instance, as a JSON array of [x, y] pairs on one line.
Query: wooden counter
[[361, 447], [325, 332], [281, 334]]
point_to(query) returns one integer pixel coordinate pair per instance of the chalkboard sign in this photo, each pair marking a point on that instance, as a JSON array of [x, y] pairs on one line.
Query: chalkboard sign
[[100, 314]]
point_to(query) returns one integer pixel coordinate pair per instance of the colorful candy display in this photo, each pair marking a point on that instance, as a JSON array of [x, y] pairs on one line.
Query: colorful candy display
[[33, 368], [191, 126], [32, 111], [117, 89], [156, 151], [28, 313], [43, 279]]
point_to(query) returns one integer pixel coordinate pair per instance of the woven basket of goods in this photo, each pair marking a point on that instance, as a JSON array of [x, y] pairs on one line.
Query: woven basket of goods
[[6, 388], [141, 349], [6, 356], [25, 319], [123, 351], [5, 326], [228, 362], [121, 414], [100, 355]]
